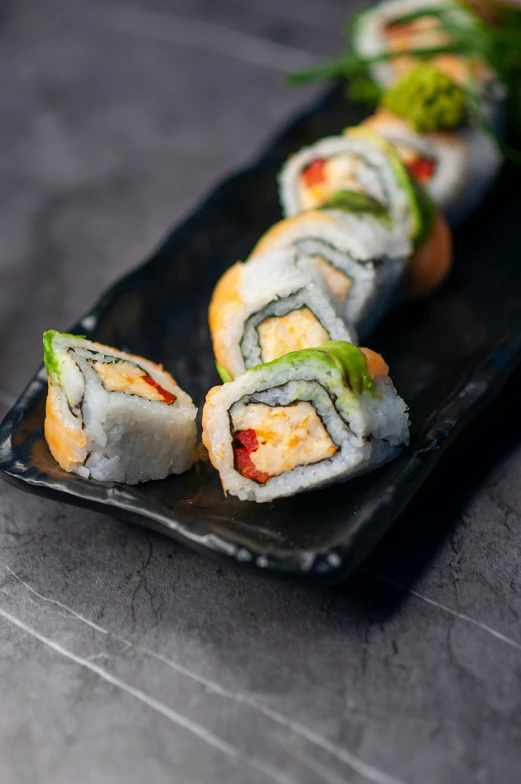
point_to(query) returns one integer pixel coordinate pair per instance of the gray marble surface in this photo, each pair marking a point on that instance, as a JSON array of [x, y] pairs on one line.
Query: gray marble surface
[[123, 657]]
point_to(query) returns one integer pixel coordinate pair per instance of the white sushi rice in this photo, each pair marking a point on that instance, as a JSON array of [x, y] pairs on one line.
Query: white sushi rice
[[368, 430], [272, 285], [386, 413], [129, 438]]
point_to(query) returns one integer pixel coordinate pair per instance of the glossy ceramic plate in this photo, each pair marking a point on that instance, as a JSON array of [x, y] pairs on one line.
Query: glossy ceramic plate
[[448, 357]]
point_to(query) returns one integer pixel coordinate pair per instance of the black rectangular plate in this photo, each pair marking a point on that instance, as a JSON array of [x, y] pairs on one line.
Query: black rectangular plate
[[448, 356]]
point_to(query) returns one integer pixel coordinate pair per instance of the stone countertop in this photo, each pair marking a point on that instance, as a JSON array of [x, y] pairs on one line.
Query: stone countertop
[[127, 658]]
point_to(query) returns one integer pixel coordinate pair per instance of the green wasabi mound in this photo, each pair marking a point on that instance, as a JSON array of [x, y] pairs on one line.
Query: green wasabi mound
[[429, 99]]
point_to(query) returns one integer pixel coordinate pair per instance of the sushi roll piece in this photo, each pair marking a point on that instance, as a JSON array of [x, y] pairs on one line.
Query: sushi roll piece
[[360, 257], [379, 29], [357, 167], [267, 307], [358, 172], [456, 168], [303, 421], [113, 416]]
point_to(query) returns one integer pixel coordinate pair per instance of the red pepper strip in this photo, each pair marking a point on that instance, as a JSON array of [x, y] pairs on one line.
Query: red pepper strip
[[247, 469], [314, 173], [422, 169], [245, 466], [168, 397], [248, 439]]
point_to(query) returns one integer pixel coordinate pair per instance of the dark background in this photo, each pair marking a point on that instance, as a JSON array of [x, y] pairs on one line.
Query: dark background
[[124, 657]]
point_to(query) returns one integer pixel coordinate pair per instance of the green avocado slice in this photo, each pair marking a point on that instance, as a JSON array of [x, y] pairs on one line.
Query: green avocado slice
[[341, 356], [51, 357], [354, 201], [223, 373]]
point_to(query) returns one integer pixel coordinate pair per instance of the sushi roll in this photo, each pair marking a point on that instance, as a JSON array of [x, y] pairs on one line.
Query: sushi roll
[[267, 307], [303, 421], [456, 168], [361, 258], [113, 416], [379, 29]]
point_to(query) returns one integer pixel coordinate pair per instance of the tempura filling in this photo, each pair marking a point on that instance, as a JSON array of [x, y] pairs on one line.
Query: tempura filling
[[271, 440], [278, 335], [121, 375]]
